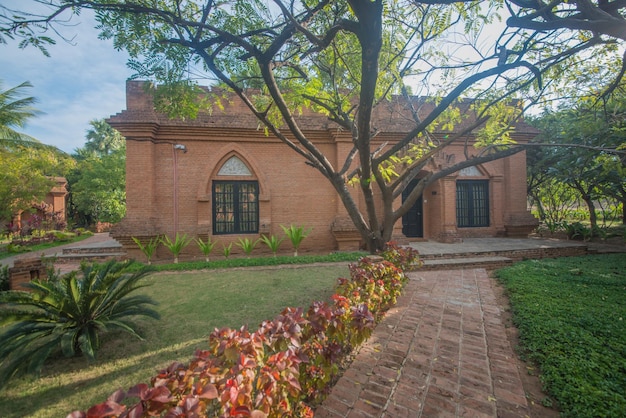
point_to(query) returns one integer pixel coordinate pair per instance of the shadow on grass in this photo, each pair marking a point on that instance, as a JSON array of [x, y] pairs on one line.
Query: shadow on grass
[[33, 401]]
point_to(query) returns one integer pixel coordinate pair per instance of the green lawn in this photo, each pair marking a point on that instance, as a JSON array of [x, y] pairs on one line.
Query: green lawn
[[571, 315], [192, 305]]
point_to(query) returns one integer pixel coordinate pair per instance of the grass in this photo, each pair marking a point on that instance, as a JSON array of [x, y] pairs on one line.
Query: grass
[[192, 305], [571, 316], [258, 261]]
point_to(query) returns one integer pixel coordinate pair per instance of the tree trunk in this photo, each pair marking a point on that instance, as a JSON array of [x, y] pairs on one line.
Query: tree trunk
[[593, 219]]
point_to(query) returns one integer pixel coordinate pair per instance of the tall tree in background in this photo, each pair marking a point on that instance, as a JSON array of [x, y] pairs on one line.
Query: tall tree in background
[[345, 58], [16, 108], [98, 184]]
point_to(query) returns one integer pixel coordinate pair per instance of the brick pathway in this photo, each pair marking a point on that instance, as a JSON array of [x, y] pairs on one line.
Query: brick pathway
[[441, 352]]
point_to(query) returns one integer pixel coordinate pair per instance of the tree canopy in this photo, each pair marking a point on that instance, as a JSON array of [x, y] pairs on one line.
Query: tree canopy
[[98, 183], [27, 167], [589, 122], [345, 58]]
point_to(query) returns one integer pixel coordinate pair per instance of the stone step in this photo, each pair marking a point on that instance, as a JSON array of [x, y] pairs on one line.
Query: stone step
[[488, 263], [93, 250], [84, 256]]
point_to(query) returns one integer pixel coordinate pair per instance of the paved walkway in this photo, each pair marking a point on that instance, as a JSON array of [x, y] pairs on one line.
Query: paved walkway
[[441, 352]]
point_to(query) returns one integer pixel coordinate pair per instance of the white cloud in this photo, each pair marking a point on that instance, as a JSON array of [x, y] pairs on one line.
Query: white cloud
[[79, 82]]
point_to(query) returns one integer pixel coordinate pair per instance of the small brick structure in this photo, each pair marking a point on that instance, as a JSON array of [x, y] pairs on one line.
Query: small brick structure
[[25, 270]]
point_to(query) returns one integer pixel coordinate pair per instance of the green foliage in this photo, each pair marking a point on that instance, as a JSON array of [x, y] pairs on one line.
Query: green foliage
[[296, 235], [26, 165], [228, 262], [68, 315], [272, 242], [98, 184], [176, 246], [226, 249], [247, 245], [280, 369], [206, 247], [402, 257], [4, 278], [63, 236], [149, 248], [571, 316], [15, 111]]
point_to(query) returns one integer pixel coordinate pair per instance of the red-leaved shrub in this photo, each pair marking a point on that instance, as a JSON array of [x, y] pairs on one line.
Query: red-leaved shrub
[[282, 368]]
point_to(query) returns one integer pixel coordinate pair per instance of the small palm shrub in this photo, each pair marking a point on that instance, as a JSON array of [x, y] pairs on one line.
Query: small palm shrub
[[296, 235], [67, 315], [149, 248], [176, 246], [247, 245], [226, 249], [206, 247], [272, 242]]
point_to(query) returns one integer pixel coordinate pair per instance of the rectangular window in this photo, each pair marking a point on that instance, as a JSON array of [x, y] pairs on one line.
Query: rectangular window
[[235, 207], [472, 203]]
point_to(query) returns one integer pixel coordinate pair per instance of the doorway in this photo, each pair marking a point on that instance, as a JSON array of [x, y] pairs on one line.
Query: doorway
[[413, 220]]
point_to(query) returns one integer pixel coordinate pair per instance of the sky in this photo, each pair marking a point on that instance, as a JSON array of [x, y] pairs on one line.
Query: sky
[[80, 82]]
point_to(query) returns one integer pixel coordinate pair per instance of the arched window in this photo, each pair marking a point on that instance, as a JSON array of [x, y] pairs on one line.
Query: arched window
[[236, 201]]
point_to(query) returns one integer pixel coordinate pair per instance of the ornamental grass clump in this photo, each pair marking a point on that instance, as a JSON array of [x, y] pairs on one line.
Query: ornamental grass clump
[[68, 314]]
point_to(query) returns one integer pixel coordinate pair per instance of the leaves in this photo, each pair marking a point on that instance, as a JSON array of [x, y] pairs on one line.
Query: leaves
[[68, 315], [280, 368]]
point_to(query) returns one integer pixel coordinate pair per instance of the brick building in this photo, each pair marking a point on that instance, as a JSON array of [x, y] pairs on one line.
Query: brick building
[[189, 176], [52, 209]]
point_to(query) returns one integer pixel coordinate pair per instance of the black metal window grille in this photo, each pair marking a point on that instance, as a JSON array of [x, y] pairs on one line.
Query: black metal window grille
[[472, 203], [235, 207]]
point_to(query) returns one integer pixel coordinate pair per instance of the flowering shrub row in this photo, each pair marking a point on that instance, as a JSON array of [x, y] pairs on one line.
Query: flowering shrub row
[[282, 368]]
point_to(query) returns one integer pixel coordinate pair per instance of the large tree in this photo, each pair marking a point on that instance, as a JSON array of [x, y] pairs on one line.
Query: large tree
[[591, 122], [345, 58], [26, 165], [97, 184]]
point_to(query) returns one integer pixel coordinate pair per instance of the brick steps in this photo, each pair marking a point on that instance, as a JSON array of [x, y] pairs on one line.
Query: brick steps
[[96, 256], [96, 252], [488, 263], [494, 259]]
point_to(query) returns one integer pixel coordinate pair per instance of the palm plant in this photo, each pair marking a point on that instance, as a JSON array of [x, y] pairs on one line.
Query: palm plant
[[15, 111], [176, 246], [149, 248], [206, 247], [226, 249], [272, 242], [247, 245], [68, 314], [296, 235]]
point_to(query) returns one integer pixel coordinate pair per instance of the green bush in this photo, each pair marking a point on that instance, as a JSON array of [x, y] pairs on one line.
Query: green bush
[[68, 315]]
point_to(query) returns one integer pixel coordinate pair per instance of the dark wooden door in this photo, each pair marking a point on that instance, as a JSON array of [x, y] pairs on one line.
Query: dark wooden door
[[413, 220]]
